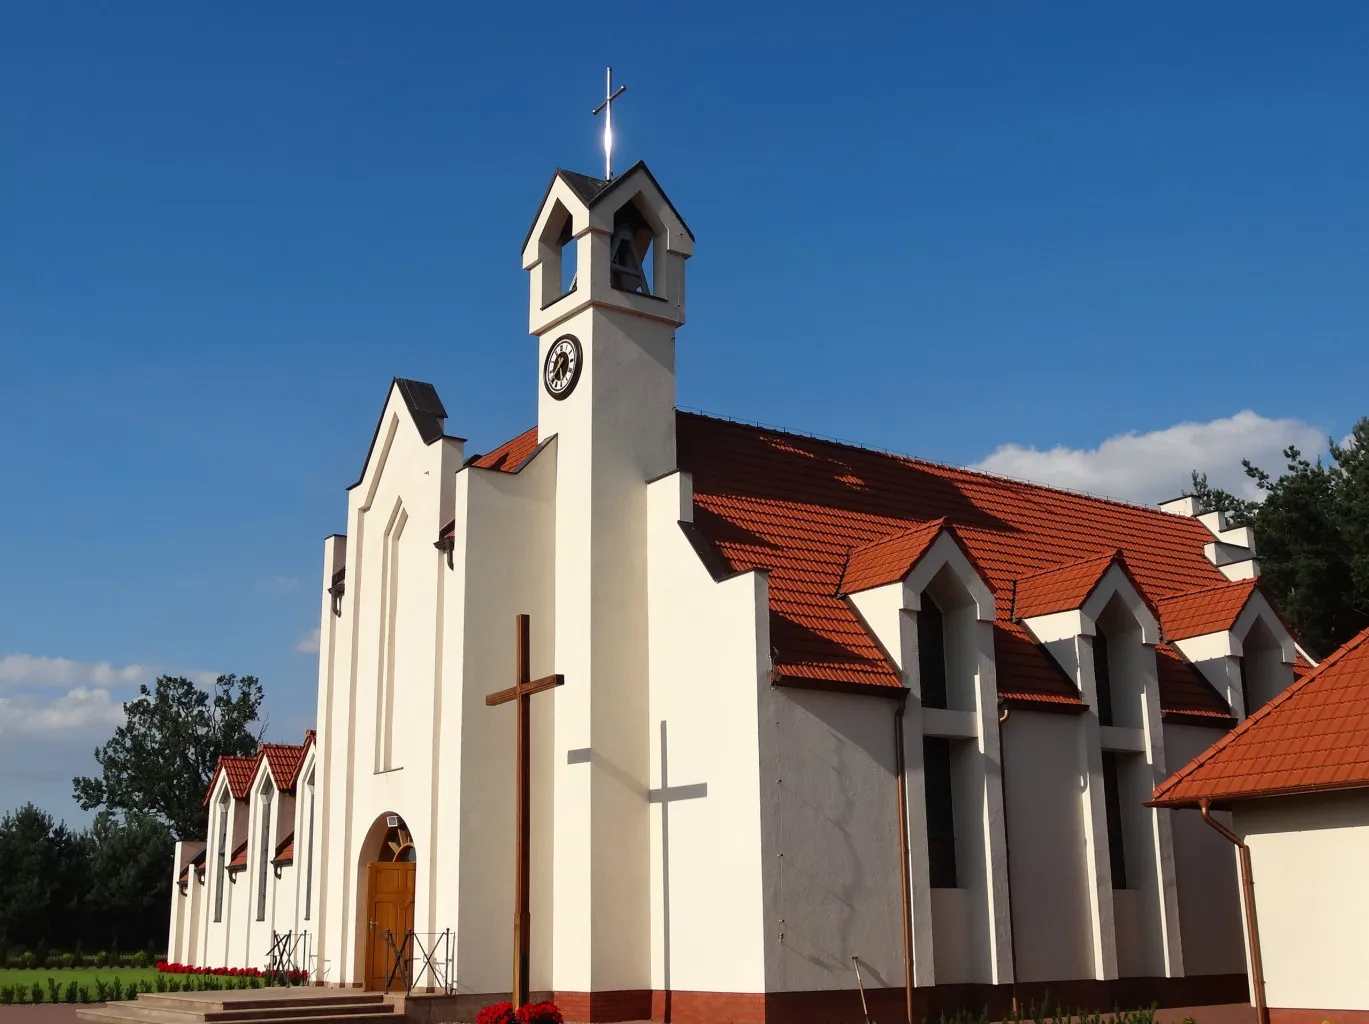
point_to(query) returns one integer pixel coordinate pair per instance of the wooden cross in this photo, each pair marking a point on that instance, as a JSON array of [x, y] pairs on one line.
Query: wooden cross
[[522, 689]]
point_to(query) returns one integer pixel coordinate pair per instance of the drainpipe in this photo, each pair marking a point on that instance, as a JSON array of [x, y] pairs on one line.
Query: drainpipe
[[1003, 712], [1252, 928], [900, 772]]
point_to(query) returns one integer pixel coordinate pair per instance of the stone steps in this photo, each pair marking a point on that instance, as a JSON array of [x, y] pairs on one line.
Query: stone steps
[[248, 1006]]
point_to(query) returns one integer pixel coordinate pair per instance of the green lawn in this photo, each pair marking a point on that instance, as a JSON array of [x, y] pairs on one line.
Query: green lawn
[[80, 975]]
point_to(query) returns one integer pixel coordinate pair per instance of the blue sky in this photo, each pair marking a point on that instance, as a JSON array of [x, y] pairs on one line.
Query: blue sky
[[1091, 243]]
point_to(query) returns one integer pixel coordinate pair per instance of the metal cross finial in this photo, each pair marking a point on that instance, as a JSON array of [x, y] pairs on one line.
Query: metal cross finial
[[607, 108]]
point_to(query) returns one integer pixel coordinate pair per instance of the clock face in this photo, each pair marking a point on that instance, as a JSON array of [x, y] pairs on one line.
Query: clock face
[[562, 367]]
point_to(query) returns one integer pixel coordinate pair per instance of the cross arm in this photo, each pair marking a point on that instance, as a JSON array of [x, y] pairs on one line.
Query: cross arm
[[525, 689]]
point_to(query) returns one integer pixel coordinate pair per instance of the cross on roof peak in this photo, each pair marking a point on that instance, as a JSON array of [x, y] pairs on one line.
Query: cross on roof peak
[[607, 107]]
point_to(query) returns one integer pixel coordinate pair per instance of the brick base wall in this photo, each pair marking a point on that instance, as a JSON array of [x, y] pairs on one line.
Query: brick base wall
[[842, 1006], [1281, 1015]]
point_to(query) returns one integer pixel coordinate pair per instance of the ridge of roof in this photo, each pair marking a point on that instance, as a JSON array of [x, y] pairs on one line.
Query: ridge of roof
[[1164, 793], [919, 460]]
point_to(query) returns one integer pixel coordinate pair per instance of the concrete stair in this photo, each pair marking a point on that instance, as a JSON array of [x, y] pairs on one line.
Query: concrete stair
[[249, 1006]]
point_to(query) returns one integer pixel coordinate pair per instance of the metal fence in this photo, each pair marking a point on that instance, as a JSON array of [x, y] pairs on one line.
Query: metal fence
[[421, 960]]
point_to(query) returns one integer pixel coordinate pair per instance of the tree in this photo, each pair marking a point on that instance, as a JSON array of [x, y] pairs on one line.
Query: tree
[[1312, 538], [130, 880], [161, 759]]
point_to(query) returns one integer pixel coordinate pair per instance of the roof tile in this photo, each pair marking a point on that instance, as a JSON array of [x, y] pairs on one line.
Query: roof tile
[[1312, 736], [823, 518], [1208, 610]]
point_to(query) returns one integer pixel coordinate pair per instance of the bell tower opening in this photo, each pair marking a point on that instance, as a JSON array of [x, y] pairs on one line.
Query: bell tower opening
[[632, 255]]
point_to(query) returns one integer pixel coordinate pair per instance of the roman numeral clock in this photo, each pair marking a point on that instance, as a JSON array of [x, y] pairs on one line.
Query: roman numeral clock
[[561, 369]]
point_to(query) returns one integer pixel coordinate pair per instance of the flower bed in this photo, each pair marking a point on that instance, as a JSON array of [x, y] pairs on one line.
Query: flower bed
[[164, 967], [528, 1013]]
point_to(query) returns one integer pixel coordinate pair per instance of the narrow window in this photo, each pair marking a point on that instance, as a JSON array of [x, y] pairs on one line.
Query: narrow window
[[309, 860], [936, 772], [1102, 678], [931, 653], [222, 873], [1112, 802], [1245, 687], [263, 851]]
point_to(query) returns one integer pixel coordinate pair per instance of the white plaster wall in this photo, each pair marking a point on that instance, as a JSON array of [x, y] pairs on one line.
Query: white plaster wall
[[705, 800], [830, 840], [614, 433], [389, 629], [1205, 872], [1308, 858], [506, 523], [1052, 918]]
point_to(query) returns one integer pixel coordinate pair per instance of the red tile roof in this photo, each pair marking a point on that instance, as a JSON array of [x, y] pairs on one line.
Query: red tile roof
[[1209, 610], [804, 509], [1061, 589], [888, 560], [1313, 736], [285, 761], [239, 770], [285, 851], [239, 858], [509, 455]]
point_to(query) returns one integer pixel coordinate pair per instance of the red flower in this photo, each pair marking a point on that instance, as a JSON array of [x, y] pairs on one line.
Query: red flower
[[497, 1013], [539, 1013]]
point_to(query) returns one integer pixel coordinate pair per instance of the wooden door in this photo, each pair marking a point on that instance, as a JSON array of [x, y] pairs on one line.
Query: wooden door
[[391, 888]]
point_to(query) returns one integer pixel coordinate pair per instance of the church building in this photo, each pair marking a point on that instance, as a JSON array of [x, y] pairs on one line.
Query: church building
[[822, 706]]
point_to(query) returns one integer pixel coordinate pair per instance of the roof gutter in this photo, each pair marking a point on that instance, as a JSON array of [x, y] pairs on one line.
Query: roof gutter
[[1252, 928]]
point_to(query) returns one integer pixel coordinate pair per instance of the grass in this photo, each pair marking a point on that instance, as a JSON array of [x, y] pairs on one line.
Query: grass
[[80, 975]]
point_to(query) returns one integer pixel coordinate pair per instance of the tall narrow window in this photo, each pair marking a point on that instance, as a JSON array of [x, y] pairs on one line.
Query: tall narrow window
[[221, 875], [1102, 678], [936, 772], [1112, 803], [264, 849], [309, 858], [931, 653]]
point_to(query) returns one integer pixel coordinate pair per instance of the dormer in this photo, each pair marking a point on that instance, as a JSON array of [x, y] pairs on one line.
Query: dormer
[[618, 243]]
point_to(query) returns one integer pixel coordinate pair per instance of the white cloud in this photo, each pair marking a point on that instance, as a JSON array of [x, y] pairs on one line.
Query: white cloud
[[1149, 468], [308, 644], [81, 709], [280, 585], [26, 670]]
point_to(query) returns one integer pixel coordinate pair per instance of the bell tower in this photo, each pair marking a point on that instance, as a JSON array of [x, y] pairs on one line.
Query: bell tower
[[606, 269]]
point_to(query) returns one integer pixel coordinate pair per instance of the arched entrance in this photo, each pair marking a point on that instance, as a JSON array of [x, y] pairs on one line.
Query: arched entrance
[[389, 901]]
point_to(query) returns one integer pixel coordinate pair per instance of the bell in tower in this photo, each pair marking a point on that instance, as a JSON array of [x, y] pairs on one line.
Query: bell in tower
[[629, 249]]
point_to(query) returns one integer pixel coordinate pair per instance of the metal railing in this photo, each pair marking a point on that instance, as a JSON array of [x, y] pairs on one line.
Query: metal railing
[[287, 962], [430, 952]]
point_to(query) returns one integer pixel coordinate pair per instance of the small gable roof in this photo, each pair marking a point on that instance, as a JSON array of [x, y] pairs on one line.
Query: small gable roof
[[1313, 736], [1207, 610], [285, 761], [1060, 589], [425, 409], [240, 770], [590, 191], [888, 560]]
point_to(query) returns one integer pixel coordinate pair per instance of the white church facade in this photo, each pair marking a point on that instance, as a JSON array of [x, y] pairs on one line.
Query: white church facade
[[820, 703]]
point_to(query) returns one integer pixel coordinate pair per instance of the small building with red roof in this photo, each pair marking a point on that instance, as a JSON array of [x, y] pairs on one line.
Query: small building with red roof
[[1289, 787], [818, 701], [239, 890]]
